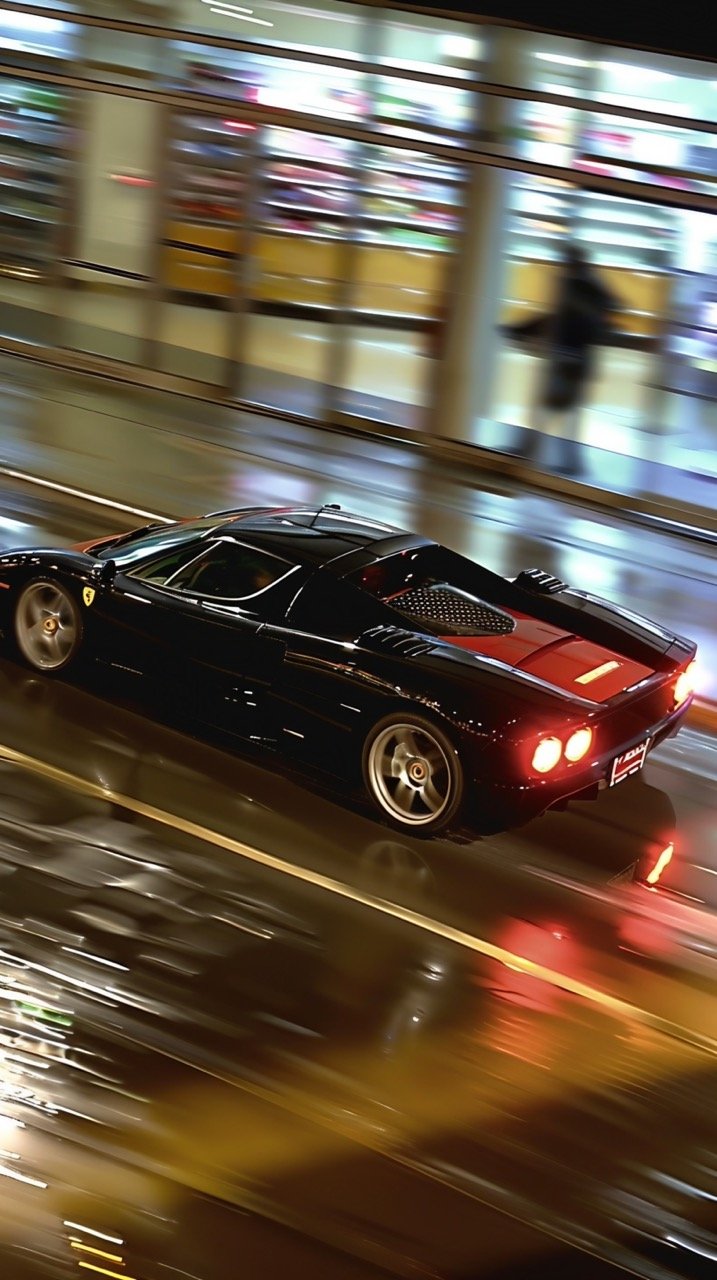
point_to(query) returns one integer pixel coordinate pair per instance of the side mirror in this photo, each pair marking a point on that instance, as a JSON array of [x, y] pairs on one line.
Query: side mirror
[[106, 573]]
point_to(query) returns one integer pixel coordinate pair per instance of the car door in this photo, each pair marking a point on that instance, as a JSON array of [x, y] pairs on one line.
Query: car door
[[323, 705], [199, 627]]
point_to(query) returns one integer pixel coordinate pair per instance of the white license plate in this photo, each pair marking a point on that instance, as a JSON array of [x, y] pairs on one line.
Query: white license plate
[[628, 763]]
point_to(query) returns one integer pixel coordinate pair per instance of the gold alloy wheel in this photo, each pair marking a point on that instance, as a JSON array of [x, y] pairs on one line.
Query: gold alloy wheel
[[47, 626], [409, 773]]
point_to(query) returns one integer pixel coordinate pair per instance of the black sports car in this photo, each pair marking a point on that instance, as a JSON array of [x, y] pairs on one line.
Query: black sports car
[[463, 698]]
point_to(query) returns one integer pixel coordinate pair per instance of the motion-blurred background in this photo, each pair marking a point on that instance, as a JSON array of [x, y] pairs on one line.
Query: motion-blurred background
[[308, 253], [332, 209]]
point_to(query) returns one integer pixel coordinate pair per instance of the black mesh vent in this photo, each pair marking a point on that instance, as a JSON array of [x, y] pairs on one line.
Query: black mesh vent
[[455, 611]]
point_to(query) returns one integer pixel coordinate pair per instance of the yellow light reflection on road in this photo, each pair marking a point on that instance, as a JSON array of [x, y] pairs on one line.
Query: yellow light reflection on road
[[613, 1005]]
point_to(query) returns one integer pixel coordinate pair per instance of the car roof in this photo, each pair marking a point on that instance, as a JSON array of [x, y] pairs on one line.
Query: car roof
[[308, 535]]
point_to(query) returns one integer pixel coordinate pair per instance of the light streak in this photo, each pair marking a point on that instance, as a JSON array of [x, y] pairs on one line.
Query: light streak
[[90, 1231], [116, 1275], [99, 1253]]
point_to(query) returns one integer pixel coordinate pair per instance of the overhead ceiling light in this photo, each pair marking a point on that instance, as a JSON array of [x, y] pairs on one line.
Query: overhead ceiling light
[[638, 73], [460, 46], [241, 17], [563, 59]]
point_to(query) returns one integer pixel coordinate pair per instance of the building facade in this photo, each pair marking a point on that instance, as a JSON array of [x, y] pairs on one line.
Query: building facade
[[333, 210]]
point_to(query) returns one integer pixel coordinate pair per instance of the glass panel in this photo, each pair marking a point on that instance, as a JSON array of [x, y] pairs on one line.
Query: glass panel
[[532, 60], [643, 151], [543, 132], [608, 362], [656, 82], [114, 235], [431, 44], [34, 165], [132, 10], [409, 210], [531, 229], [282, 83], [203, 238], [409, 199], [303, 217], [438, 110], [118, 58], [27, 39], [689, 418], [324, 26], [305, 86], [198, 68]]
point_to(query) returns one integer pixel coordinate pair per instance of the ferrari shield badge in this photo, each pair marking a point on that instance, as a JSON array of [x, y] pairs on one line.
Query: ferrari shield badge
[[88, 595]]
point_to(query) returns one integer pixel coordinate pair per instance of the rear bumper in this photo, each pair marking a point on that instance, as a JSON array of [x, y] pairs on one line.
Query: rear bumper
[[524, 799]]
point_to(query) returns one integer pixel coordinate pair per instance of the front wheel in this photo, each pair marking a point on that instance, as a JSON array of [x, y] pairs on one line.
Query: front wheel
[[48, 625], [413, 774]]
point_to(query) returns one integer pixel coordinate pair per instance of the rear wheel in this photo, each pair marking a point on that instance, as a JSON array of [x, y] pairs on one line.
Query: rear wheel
[[48, 625], [413, 774]]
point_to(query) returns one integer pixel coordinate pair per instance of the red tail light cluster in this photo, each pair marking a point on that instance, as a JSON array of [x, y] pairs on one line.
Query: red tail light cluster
[[550, 750], [685, 684]]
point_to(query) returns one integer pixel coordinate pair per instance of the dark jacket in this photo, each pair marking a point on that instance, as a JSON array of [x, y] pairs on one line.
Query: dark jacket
[[579, 323]]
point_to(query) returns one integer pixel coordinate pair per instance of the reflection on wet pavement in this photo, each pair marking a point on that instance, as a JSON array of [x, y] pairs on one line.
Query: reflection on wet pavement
[[205, 1025], [363, 1056]]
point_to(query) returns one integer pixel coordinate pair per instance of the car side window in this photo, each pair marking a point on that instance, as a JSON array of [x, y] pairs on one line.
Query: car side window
[[228, 570], [160, 571]]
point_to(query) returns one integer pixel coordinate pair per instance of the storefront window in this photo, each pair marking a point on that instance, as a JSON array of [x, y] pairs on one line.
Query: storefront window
[[544, 63], [438, 112], [323, 26], [27, 37], [35, 162], [644, 151], [304, 221], [542, 132], [203, 238], [117, 57], [280, 83], [440, 46], [290, 85], [624, 399], [655, 82], [689, 367], [409, 213]]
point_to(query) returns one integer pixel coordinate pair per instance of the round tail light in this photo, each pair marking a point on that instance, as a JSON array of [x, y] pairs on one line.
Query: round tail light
[[547, 754], [685, 684], [578, 744]]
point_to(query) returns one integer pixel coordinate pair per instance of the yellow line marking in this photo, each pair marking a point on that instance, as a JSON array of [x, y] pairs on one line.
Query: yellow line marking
[[611, 1004], [99, 1253], [116, 1275], [597, 672]]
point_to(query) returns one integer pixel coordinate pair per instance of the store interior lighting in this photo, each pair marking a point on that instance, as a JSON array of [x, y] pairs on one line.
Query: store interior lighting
[[562, 59], [238, 11]]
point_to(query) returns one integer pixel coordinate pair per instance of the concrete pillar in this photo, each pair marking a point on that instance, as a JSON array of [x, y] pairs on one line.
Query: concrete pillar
[[464, 378]]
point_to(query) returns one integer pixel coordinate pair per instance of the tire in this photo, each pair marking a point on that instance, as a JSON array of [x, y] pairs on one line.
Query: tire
[[412, 773], [48, 626]]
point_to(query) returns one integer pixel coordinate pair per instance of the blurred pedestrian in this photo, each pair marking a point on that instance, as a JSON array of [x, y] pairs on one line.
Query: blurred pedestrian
[[567, 337]]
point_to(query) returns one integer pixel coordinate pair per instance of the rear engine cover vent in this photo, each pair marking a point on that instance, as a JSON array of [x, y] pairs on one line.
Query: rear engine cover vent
[[540, 581], [455, 611]]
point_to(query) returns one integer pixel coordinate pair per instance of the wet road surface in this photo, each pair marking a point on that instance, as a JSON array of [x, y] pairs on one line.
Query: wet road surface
[[354, 1053]]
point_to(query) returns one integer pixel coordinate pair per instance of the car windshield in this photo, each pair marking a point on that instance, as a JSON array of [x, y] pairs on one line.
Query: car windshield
[[153, 540]]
